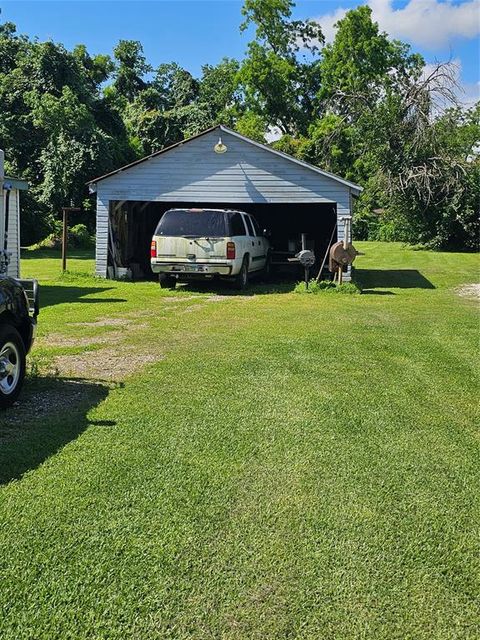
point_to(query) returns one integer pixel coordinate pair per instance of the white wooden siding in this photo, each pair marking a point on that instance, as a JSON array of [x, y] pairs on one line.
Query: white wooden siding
[[193, 172], [101, 247], [13, 231], [245, 173]]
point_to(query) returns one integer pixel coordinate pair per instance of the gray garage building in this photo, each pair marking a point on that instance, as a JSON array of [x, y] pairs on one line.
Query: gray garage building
[[222, 169]]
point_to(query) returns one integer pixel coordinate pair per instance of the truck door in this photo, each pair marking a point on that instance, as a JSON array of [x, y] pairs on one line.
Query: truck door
[[251, 243], [261, 245]]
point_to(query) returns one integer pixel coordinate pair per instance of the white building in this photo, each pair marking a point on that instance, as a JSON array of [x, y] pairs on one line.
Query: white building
[[286, 195], [10, 204]]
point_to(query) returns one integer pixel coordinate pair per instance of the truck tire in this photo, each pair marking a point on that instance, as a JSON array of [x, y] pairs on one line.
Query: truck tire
[[166, 281], [12, 365], [241, 279]]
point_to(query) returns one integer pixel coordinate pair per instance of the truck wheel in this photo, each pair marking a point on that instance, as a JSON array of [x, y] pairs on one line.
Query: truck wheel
[[166, 281], [12, 365], [241, 279]]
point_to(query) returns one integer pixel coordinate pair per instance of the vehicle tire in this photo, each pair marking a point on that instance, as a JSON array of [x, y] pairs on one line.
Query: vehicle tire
[[12, 365], [241, 279], [166, 281]]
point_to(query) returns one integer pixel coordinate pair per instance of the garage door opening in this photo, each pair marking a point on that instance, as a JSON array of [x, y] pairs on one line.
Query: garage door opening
[[132, 224]]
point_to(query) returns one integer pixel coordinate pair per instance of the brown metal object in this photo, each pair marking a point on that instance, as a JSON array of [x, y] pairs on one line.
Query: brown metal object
[[340, 258]]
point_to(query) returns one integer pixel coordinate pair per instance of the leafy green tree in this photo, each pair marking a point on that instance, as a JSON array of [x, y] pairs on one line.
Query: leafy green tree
[[434, 188], [219, 91], [361, 107], [73, 145], [361, 70], [96, 69], [362, 64], [252, 125], [275, 28], [175, 85], [56, 126], [277, 85], [131, 68]]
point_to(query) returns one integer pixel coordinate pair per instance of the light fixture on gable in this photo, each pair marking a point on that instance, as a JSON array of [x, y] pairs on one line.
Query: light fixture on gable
[[220, 147]]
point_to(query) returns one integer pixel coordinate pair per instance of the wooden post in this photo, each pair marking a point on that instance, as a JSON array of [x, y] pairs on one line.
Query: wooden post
[[304, 246], [65, 211], [64, 240]]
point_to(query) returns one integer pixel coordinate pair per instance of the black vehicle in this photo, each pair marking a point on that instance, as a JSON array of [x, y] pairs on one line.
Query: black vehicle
[[18, 319], [18, 308]]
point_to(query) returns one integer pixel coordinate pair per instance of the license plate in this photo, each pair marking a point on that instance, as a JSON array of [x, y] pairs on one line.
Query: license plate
[[191, 268]]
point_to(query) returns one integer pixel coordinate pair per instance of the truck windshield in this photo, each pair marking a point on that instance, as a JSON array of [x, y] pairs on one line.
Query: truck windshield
[[192, 224]]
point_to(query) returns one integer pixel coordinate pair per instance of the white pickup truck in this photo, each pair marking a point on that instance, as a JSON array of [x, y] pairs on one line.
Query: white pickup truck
[[204, 244]]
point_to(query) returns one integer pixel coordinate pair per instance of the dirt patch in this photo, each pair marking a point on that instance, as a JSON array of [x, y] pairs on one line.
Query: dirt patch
[[220, 298], [142, 313], [58, 340], [104, 322], [177, 298], [104, 364], [469, 291]]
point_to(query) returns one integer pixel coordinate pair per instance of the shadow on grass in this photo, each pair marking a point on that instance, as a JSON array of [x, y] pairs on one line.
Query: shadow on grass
[[51, 413], [52, 254], [274, 284], [50, 296], [392, 278]]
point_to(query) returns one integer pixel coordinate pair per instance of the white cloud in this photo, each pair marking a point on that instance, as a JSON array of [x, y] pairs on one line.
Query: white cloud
[[429, 23], [432, 24], [470, 94], [328, 21]]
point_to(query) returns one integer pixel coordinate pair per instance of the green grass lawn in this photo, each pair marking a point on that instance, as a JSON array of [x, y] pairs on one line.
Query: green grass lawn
[[190, 465]]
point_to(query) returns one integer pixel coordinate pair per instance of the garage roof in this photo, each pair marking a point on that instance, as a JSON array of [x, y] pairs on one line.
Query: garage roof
[[16, 183], [355, 188]]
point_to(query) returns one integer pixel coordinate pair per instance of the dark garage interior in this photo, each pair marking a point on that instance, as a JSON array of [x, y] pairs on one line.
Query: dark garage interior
[[133, 225]]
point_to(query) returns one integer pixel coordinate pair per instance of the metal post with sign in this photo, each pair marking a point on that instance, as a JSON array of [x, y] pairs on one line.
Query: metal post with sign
[[306, 259]]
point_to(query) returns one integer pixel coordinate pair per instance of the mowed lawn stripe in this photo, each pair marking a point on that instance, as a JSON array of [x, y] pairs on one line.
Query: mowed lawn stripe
[[294, 467]]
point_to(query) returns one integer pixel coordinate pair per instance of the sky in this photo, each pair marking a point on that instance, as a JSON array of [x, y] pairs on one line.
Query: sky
[[195, 32]]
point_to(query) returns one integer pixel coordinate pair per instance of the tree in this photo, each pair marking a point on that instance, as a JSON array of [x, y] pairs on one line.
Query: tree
[[252, 126], [277, 86], [362, 107], [219, 91], [361, 70], [96, 69], [56, 126], [362, 63], [130, 69], [175, 85], [434, 186]]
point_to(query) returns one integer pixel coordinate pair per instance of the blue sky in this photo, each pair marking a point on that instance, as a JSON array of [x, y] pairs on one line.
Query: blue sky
[[194, 32]]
